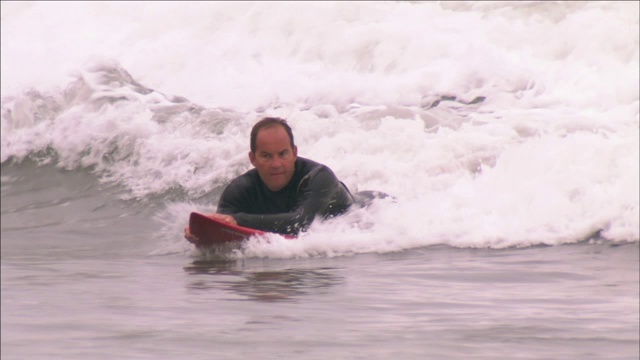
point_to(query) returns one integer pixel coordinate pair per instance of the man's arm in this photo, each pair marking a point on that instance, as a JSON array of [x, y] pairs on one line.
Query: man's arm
[[315, 194]]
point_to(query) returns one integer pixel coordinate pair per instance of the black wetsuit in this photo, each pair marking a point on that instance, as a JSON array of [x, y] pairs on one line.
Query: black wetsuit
[[313, 191]]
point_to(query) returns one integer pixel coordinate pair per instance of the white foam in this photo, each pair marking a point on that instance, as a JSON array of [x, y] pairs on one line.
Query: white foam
[[549, 157]]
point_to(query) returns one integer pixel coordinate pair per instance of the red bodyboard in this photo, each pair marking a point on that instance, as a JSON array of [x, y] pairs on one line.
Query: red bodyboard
[[211, 232]]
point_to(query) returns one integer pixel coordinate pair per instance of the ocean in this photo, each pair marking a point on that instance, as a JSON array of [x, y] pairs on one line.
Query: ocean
[[507, 133]]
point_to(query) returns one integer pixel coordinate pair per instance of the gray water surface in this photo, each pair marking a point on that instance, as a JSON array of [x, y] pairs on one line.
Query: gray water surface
[[80, 281]]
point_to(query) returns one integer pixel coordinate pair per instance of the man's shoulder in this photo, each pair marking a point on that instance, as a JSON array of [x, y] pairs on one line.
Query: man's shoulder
[[308, 165], [246, 180], [307, 168]]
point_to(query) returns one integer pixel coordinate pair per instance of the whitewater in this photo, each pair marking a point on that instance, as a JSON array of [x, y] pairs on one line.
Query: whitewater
[[498, 127], [548, 154]]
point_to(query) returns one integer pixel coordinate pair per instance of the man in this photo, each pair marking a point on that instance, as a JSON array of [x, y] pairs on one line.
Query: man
[[284, 193]]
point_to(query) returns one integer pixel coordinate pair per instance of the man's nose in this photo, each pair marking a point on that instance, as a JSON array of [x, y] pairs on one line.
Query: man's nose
[[276, 162]]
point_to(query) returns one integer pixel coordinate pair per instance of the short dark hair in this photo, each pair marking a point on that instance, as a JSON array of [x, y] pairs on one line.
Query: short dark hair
[[267, 123]]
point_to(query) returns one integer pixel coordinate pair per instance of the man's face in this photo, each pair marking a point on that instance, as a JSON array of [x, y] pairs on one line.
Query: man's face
[[274, 158]]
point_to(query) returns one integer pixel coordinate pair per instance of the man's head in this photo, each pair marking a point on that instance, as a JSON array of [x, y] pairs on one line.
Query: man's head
[[273, 152]]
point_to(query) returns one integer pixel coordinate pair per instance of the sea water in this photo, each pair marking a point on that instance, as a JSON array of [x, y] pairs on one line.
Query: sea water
[[507, 133]]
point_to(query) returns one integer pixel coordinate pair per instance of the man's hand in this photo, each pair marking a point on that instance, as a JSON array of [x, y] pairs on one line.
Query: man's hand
[[190, 237], [228, 219]]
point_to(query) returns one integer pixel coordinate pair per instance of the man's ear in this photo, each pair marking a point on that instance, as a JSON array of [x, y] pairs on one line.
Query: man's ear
[[295, 151], [252, 158]]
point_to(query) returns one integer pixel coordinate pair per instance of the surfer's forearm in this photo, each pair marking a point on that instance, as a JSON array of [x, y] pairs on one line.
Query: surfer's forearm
[[285, 223]]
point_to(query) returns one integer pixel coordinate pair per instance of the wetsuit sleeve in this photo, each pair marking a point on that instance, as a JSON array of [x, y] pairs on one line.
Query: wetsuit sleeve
[[316, 194], [234, 196]]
